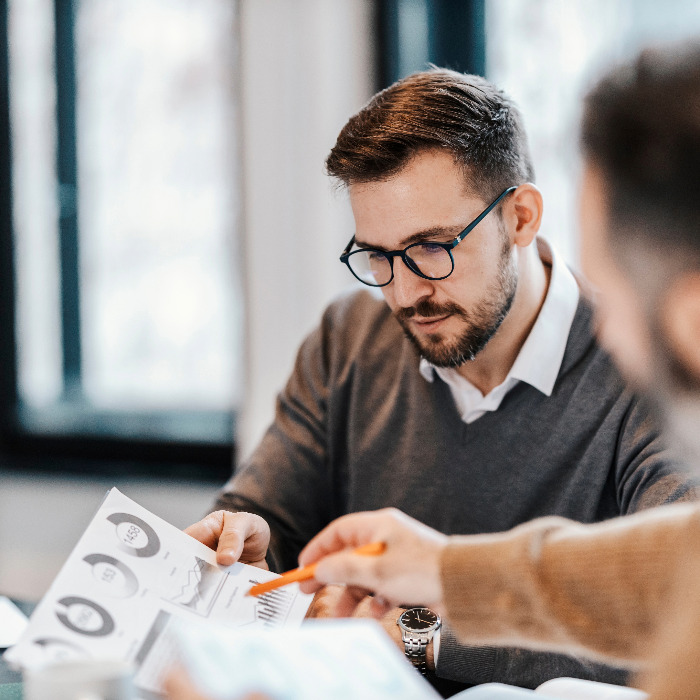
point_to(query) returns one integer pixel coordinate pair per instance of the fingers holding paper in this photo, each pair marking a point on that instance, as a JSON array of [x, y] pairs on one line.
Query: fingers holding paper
[[406, 573], [236, 537]]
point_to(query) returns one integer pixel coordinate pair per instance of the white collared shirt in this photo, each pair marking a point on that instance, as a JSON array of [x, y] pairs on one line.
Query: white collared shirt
[[540, 357]]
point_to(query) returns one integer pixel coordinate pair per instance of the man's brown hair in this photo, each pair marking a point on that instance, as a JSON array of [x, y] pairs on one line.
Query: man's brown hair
[[436, 109]]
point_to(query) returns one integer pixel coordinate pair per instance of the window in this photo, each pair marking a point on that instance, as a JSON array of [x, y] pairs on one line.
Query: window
[[147, 303], [125, 207], [546, 54], [413, 33], [157, 171]]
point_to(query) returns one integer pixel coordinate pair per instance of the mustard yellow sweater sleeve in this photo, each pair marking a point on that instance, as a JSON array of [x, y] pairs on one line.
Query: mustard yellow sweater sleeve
[[553, 584], [673, 672]]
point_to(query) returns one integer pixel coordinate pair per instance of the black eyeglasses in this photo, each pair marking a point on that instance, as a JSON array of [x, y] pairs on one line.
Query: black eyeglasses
[[430, 260]]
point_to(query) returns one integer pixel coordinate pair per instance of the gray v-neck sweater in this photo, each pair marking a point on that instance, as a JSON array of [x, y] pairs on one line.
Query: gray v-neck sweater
[[358, 428]]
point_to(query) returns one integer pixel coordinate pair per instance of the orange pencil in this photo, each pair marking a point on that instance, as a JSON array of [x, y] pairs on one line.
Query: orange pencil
[[306, 572]]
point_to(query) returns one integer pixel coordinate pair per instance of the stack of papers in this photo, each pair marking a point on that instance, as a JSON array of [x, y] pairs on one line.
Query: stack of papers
[[12, 623], [139, 590], [129, 578]]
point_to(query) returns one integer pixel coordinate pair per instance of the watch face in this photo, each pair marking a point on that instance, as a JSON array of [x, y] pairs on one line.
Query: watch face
[[419, 618]]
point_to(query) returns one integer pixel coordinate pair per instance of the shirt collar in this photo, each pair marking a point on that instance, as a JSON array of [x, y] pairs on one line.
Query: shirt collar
[[540, 357]]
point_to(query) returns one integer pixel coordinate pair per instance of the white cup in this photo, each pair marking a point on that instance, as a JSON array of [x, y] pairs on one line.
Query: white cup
[[81, 680]]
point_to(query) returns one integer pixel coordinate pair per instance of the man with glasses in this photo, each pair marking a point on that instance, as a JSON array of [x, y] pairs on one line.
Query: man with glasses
[[473, 396]]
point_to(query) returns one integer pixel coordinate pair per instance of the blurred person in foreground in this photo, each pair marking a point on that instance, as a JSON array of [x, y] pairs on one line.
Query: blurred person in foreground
[[468, 390], [626, 590]]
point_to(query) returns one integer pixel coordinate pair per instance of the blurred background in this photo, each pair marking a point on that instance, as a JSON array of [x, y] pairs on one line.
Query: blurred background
[[168, 235]]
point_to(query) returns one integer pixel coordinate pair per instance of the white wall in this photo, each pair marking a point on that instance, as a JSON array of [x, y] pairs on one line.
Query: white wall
[[42, 517], [305, 70]]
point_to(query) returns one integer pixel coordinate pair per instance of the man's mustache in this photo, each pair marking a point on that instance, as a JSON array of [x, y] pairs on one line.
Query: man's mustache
[[428, 309]]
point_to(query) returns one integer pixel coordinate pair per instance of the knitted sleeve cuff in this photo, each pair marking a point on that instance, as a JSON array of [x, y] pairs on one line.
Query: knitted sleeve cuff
[[471, 665]]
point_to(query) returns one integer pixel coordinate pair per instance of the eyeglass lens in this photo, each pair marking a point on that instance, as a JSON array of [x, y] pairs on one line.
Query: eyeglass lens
[[374, 267]]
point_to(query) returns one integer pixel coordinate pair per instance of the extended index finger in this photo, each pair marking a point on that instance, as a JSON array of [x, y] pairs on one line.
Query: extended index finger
[[347, 531]]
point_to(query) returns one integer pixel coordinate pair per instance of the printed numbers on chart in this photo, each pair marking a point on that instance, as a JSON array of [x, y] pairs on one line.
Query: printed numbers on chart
[[134, 535], [85, 617], [117, 578]]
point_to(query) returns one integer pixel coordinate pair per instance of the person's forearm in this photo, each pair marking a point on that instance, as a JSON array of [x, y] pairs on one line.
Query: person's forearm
[[554, 584]]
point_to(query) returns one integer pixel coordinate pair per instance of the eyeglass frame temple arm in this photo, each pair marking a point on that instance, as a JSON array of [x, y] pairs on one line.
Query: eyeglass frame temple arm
[[460, 237], [463, 234], [348, 247]]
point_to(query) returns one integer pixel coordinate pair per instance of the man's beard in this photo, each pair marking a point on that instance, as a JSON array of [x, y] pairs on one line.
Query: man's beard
[[481, 322]]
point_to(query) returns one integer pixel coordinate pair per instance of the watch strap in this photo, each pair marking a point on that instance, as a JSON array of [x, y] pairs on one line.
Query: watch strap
[[415, 650]]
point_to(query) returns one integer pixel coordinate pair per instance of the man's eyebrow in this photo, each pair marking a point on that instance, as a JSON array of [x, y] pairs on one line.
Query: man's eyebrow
[[429, 234]]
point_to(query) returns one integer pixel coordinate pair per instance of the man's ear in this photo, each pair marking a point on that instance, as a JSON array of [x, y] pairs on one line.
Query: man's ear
[[526, 208], [680, 320]]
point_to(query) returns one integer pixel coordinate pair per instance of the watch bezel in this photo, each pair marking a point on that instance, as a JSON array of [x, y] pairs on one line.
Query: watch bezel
[[421, 630]]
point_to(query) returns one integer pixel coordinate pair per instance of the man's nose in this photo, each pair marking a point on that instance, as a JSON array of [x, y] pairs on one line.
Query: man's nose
[[407, 286]]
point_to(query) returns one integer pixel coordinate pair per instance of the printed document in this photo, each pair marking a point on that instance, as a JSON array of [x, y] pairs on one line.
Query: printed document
[[129, 578]]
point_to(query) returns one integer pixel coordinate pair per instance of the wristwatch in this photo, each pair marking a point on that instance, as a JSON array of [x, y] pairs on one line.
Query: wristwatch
[[418, 625]]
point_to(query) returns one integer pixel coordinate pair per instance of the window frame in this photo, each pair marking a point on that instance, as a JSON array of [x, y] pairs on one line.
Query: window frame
[[73, 435], [100, 446], [455, 38]]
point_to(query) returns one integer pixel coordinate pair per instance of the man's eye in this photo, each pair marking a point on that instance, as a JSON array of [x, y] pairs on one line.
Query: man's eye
[[431, 248], [375, 255]]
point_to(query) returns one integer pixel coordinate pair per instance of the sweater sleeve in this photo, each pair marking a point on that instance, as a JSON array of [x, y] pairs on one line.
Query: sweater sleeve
[[287, 480], [647, 474], [523, 667], [673, 671], [297, 477], [552, 584]]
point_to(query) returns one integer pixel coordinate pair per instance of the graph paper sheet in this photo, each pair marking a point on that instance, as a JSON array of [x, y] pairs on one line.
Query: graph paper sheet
[[129, 578]]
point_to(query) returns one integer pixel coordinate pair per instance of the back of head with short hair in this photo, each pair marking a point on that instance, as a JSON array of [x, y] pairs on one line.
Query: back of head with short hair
[[436, 109], [641, 131]]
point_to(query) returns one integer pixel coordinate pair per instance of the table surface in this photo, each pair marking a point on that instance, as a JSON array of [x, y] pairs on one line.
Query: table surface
[[11, 691], [10, 681]]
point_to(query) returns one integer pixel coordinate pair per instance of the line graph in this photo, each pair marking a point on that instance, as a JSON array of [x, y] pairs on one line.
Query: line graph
[[200, 591]]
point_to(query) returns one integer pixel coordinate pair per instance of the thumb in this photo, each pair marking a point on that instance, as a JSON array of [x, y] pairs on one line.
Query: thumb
[[348, 568], [244, 536]]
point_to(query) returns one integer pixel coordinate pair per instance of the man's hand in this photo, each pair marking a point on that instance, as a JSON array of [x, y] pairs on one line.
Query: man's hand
[[407, 573], [330, 600], [236, 537]]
